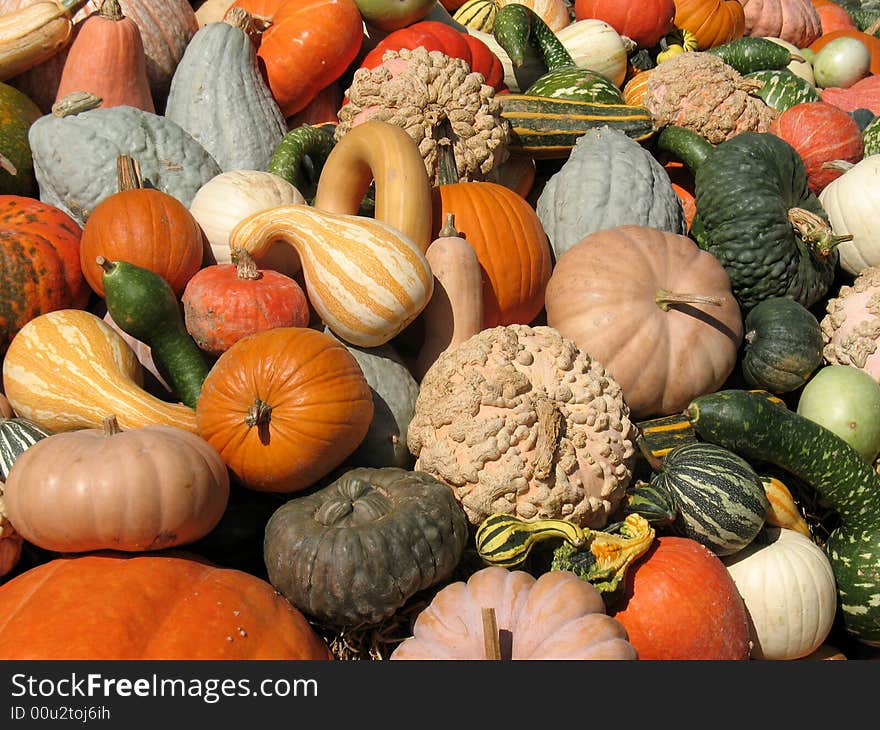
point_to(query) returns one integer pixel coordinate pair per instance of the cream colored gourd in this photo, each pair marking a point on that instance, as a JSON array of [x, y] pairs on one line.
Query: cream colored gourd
[[68, 369], [851, 202], [366, 279], [786, 582], [228, 198], [147, 488], [384, 153], [455, 311], [799, 65], [30, 35], [212, 11], [594, 44]]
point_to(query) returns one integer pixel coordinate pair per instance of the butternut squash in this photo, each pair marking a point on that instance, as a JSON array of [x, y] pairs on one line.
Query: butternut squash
[[387, 154], [68, 369]]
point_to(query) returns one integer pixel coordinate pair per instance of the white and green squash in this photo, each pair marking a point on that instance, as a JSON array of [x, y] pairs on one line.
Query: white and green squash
[[781, 89], [17, 435]]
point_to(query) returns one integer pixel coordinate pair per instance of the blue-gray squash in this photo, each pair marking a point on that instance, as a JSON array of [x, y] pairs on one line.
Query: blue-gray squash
[[608, 180], [219, 96]]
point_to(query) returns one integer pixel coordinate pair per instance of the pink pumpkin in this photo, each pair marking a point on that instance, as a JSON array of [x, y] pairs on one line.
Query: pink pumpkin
[[795, 21]]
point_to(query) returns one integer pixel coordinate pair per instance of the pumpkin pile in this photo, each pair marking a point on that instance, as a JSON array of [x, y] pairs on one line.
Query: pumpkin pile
[[472, 330]]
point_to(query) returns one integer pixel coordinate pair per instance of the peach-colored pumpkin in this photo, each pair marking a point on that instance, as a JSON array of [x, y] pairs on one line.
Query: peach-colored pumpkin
[[795, 21]]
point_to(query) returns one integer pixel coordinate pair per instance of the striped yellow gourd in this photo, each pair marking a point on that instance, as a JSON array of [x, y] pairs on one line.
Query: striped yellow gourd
[[68, 369], [783, 510], [477, 14], [366, 279]]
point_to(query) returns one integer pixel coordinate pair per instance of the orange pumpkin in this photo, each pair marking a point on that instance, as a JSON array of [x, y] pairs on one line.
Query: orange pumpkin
[[284, 407], [713, 22], [511, 246], [144, 227], [872, 42], [307, 46], [644, 22], [833, 17], [170, 606]]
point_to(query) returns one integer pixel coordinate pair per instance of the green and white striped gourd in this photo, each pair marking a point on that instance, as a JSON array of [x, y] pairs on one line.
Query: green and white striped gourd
[[75, 149], [871, 137], [17, 435], [718, 497], [608, 180], [782, 89], [219, 96], [759, 429]]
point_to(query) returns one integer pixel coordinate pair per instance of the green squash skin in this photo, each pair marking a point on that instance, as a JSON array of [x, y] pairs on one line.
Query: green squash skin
[[749, 54], [578, 84], [744, 190], [17, 113], [783, 89], [782, 345], [871, 137], [759, 430], [17, 435]]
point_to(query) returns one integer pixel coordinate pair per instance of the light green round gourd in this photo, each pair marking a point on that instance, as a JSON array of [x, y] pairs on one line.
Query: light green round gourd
[[608, 180], [76, 147], [219, 96]]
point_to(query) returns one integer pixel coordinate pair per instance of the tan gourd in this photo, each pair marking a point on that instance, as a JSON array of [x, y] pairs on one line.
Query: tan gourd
[[68, 369], [212, 11], [32, 34], [455, 311], [387, 154]]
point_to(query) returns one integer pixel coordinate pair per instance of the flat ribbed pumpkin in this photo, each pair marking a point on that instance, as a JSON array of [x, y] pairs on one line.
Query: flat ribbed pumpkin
[[284, 407], [511, 246], [39, 263], [170, 606], [713, 22]]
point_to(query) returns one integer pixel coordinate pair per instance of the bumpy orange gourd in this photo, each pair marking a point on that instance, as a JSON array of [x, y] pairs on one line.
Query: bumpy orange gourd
[[170, 606], [284, 407]]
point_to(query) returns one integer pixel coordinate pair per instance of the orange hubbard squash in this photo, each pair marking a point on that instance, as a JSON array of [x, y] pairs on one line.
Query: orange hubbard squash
[[168, 606], [284, 407]]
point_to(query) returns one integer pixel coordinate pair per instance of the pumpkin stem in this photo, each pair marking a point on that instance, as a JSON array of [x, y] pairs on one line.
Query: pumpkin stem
[[111, 10], [245, 266], [128, 174], [839, 165], [110, 425], [816, 232], [491, 641], [104, 263], [666, 299], [447, 166], [750, 86], [76, 102], [449, 230], [260, 415], [245, 22], [549, 425]]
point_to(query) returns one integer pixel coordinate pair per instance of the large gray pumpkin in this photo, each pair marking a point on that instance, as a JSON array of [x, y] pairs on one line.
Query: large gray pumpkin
[[608, 180], [75, 155], [394, 392], [219, 96], [353, 552]]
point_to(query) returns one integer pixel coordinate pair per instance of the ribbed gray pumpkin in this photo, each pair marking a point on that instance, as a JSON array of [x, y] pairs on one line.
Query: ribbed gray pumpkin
[[608, 180], [219, 96], [355, 551], [17, 435], [394, 393], [75, 150]]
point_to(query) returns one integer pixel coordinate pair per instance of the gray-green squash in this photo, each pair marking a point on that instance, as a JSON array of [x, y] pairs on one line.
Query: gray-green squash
[[75, 149], [219, 96], [353, 552], [608, 180], [394, 392]]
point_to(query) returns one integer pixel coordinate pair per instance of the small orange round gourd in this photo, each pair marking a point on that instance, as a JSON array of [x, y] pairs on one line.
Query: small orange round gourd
[[656, 310], [144, 227], [511, 246], [284, 407], [169, 606]]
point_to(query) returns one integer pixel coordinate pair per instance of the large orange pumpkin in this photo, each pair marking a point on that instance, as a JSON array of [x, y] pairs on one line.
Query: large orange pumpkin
[[644, 22], [171, 606], [284, 406], [511, 246], [39, 263], [713, 22], [144, 227], [307, 46], [679, 603]]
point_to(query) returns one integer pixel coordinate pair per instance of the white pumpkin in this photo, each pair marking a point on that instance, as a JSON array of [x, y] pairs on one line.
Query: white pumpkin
[[230, 197], [595, 45], [802, 67], [851, 202], [786, 582]]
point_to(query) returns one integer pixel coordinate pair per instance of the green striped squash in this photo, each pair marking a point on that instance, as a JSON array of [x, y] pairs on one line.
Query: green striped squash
[[782, 89], [547, 128], [719, 499], [17, 435], [477, 14], [577, 84], [505, 540], [871, 137]]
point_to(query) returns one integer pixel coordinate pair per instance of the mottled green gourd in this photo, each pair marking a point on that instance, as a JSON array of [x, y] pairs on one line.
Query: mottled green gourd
[[17, 435], [300, 156], [145, 307], [753, 53], [782, 88], [826, 463]]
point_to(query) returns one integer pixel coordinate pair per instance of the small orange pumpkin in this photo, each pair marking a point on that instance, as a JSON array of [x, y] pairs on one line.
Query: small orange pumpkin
[[713, 22]]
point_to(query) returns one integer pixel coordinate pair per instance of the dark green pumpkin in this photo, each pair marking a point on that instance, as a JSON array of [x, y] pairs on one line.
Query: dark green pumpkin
[[747, 189], [716, 497], [17, 113], [353, 552], [782, 345]]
